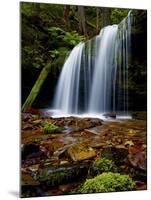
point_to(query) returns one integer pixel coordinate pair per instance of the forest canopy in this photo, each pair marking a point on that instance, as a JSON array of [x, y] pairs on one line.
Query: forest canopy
[[51, 30]]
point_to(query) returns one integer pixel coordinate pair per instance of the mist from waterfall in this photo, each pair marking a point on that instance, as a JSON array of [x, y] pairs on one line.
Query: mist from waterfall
[[94, 78]]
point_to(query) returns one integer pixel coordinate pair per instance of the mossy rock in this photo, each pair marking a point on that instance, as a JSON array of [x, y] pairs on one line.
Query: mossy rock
[[102, 165], [117, 155], [56, 175], [108, 182], [51, 128]]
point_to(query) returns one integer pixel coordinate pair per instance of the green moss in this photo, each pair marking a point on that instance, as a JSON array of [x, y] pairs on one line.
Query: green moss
[[51, 128], [108, 182], [102, 165], [57, 175]]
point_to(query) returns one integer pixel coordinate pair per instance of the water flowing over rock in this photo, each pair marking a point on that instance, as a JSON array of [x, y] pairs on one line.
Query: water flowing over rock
[[94, 78], [100, 98]]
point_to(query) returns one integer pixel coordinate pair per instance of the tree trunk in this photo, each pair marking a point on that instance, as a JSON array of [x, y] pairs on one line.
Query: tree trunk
[[82, 23], [66, 15], [97, 20], [106, 17], [36, 88]]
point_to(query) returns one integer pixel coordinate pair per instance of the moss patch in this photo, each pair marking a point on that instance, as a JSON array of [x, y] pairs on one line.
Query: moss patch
[[108, 182], [51, 128], [102, 165]]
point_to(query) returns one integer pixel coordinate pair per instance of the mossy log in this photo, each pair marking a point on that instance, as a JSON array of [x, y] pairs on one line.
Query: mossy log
[[36, 88]]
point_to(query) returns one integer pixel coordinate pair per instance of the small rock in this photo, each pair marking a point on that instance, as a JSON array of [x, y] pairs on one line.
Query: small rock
[[26, 179], [37, 122], [110, 114], [98, 145], [64, 162], [92, 131], [27, 127], [34, 168], [118, 155], [68, 187], [80, 152]]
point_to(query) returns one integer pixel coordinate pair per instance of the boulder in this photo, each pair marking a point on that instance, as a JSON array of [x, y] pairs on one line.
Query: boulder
[[118, 155], [57, 175], [80, 152], [110, 114]]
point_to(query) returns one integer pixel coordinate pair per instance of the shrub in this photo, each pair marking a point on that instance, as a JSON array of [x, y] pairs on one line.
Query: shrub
[[108, 182], [50, 128]]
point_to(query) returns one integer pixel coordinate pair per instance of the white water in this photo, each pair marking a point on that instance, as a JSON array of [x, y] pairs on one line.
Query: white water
[[100, 98], [67, 92], [94, 78]]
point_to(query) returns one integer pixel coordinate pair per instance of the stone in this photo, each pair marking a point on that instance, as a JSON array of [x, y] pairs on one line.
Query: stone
[[80, 152], [68, 187], [79, 124], [118, 155], [94, 131], [26, 179], [64, 162], [110, 114], [57, 175]]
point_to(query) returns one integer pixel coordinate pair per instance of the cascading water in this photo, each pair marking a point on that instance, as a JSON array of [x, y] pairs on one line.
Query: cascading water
[[67, 93], [94, 78], [100, 98], [122, 61]]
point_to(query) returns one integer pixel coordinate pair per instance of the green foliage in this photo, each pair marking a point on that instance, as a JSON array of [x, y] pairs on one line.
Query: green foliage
[[117, 15], [43, 35], [59, 53], [73, 38], [108, 182], [50, 128], [56, 31], [103, 165], [69, 38], [54, 53]]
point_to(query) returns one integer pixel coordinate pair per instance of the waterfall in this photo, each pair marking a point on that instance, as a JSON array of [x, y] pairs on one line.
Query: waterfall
[[121, 62], [67, 92], [94, 77], [100, 98]]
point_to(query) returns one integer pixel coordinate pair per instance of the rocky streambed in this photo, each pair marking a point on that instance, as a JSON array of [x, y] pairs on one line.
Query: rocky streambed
[[59, 155]]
